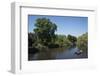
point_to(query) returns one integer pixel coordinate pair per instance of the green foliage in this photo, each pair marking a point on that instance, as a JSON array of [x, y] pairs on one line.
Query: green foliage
[[45, 30], [68, 43], [64, 41], [60, 40], [31, 39], [82, 42], [41, 47], [44, 37], [72, 39]]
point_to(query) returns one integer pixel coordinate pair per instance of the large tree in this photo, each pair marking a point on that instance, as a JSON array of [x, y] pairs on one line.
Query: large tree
[[45, 30]]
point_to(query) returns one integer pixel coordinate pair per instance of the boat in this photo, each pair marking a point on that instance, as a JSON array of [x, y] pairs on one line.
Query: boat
[[78, 52]]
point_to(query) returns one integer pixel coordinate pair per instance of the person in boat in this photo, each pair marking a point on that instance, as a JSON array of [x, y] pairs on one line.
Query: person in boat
[[78, 52]]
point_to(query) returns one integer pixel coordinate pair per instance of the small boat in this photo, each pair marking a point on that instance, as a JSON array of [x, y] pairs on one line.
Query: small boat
[[78, 52]]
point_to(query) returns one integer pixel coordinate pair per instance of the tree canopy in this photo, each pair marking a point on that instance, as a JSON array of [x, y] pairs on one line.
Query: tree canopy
[[45, 30], [72, 39]]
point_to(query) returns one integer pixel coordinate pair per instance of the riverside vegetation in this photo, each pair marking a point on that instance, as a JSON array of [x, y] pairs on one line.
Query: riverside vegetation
[[44, 37]]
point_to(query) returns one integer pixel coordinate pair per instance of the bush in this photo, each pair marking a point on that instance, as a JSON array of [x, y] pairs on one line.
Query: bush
[[41, 47], [82, 42]]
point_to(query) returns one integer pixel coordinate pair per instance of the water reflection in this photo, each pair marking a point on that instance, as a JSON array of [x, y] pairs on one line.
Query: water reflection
[[57, 53]]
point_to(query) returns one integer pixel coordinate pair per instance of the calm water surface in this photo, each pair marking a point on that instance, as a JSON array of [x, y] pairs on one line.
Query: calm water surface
[[57, 53]]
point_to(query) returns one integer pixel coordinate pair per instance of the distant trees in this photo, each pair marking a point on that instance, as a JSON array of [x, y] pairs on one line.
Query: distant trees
[[66, 41], [82, 42], [60, 40], [57, 41], [72, 39]]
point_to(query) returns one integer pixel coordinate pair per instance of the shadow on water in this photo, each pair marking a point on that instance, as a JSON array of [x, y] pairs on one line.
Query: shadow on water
[[55, 53]]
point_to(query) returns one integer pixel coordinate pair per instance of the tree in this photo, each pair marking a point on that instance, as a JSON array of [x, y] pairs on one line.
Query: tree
[[60, 40], [45, 30], [72, 39], [31, 39], [82, 42]]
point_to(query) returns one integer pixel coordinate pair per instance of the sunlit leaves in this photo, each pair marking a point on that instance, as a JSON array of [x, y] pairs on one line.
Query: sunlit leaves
[[45, 30], [82, 42]]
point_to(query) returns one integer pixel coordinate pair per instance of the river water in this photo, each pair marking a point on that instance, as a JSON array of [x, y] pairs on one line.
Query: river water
[[57, 53]]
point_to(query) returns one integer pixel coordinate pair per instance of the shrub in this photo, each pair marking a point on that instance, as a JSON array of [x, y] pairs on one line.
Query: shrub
[[82, 42]]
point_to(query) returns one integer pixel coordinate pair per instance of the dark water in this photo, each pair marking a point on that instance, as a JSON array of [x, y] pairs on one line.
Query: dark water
[[57, 53]]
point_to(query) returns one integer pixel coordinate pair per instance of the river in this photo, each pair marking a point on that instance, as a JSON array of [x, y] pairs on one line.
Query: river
[[57, 53]]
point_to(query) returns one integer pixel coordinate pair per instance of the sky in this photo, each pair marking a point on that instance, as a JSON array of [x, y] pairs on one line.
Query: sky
[[73, 25]]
